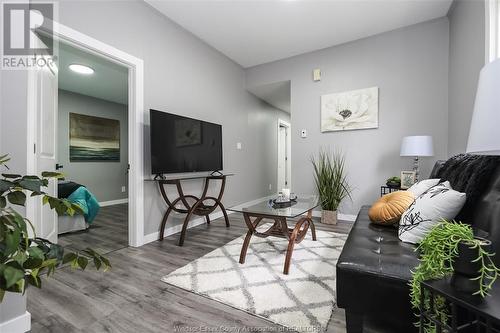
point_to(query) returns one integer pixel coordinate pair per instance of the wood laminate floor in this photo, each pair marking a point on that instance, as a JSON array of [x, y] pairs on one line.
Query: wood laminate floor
[[108, 232], [131, 297]]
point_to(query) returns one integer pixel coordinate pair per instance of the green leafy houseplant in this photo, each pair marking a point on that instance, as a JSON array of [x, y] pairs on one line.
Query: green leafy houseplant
[[23, 256], [438, 250], [394, 182], [330, 177]]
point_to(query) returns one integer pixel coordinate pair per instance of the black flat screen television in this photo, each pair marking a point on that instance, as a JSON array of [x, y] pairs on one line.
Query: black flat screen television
[[181, 144]]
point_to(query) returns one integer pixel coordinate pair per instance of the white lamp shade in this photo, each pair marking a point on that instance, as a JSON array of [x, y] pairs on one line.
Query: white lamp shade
[[419, 145], [484, 134]]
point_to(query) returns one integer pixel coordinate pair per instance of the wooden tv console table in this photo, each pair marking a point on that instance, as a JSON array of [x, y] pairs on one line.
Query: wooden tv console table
[[202, 206]]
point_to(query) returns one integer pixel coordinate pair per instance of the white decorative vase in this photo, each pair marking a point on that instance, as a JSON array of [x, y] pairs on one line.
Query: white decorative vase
[[329, 216], [13, 315]]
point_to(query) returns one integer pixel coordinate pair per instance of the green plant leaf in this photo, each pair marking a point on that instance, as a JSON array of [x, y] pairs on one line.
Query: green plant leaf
[[11, 175], [3, 202], [2, 294], [4, 158], [17, 198], [5, 185], [12, 240], [106, 262], [36, 252], [20, 257], [97, 263], [31, 185], [50, 174], [69, 257], [34, 281], [12, 276], [32, 263], [82, 262]]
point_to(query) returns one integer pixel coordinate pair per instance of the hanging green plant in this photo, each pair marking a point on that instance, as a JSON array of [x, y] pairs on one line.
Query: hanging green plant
[[438, 251], [24, 258]]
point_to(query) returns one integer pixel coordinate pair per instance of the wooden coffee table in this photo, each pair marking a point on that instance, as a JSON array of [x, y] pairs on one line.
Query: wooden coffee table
[[255, 214]]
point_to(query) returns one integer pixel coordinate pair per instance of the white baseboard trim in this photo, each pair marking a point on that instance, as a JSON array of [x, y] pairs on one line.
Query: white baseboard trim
[[19, 324], [195, 222], [113, 202], [343, 217]]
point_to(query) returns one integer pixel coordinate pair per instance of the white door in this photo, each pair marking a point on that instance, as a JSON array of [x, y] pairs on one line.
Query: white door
[[45, 147], [282, 158]]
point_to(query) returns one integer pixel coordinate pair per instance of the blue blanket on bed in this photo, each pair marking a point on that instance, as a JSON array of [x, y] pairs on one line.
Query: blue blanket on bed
[[87, 201]]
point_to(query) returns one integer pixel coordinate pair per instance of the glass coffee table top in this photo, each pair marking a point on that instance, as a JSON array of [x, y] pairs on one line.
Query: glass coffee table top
[[301, 206]]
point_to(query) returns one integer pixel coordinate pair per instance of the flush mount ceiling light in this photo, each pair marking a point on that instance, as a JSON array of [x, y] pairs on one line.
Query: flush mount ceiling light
[[81, 69]]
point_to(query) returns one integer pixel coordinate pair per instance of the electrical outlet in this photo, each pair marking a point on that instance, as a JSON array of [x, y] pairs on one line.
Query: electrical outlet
[[238, 145], [124, 189]]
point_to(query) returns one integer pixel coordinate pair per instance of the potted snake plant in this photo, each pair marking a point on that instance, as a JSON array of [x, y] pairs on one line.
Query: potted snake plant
[[330, 177], [24, 257]]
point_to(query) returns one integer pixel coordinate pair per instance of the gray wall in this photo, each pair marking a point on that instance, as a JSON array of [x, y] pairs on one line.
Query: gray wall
[[104, 179], [182, 75], [467, 47], [410, 67]]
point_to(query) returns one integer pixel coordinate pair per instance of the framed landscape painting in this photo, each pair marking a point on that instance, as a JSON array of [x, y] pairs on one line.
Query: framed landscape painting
[[351, 110], [93, 138]]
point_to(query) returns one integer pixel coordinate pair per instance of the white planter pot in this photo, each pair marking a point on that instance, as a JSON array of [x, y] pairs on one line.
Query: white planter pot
[[329, 216], [13, 315]]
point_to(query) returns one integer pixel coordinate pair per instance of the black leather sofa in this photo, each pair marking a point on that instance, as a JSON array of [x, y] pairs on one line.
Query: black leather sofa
[[374, 267]]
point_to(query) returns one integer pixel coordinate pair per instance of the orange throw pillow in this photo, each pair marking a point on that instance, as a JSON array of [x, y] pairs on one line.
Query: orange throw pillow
[[389, 208]]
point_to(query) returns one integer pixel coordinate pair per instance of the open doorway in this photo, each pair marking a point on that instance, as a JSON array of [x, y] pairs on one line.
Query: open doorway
[[284, 150], [42, 130], [276, 127], [92, 149]]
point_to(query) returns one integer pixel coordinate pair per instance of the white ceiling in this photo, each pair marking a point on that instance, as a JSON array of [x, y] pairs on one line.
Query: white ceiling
[[260, 31], [277, 94], [109, 81]]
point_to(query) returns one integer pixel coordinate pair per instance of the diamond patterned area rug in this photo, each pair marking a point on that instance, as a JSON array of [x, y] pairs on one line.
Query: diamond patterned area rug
[[304, 300]]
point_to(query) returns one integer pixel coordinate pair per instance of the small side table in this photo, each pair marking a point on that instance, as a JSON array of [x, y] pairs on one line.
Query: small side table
[[476, 314], [384, 189]]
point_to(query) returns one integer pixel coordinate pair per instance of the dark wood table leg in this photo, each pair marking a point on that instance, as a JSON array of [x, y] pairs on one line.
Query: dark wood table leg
[[251, 230], [278, 229], [244, 248], [296, 236], [311, 224]]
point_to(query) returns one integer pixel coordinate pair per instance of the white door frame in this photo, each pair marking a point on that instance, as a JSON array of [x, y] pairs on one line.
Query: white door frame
[[135, 128], [288, 164]]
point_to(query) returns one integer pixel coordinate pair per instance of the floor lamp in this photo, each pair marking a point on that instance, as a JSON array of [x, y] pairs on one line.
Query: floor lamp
[[484, 134]]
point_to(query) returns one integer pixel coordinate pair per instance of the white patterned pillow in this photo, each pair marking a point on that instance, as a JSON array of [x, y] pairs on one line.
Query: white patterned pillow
[[438, 203], [422, 186]]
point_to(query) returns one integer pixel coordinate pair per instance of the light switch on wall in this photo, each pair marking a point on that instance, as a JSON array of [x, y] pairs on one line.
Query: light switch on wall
[[317, 74], [238, 145], [303, 133], [124, 189]]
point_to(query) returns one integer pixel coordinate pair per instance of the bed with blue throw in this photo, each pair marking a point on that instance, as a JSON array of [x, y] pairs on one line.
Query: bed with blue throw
[[80, 195]]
